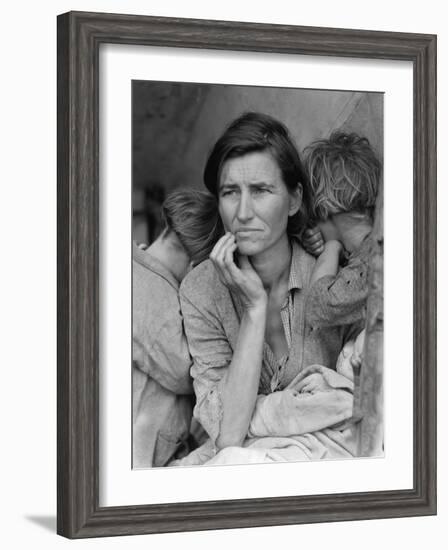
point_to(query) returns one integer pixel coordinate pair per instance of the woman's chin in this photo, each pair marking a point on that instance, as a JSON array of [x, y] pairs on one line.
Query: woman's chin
[[249, 249]]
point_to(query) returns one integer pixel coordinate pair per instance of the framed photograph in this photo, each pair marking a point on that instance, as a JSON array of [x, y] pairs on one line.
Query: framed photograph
[[246, 274]]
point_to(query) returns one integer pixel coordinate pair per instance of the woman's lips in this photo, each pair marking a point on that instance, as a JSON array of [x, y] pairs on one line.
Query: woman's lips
[[246, 234], [246, 230]]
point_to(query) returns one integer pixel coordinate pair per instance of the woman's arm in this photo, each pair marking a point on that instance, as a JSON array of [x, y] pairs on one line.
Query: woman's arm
[[240, 388], [240, 385], [316, 399]]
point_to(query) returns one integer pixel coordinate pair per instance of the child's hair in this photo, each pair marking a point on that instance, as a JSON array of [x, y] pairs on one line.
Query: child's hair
[[344, 173], [193, 216]]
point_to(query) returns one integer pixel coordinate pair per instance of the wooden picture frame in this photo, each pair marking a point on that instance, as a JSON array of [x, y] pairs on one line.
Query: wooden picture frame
[[79, 38]]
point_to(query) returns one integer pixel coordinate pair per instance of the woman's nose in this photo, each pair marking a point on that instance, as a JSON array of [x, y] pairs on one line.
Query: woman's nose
[[245, 210]]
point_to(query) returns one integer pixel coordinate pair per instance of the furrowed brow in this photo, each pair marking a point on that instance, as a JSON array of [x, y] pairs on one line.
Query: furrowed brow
[[261, 184], [226, 186]]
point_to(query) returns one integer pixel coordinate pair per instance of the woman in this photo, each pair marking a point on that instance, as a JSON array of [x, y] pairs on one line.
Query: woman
[[244, 308]]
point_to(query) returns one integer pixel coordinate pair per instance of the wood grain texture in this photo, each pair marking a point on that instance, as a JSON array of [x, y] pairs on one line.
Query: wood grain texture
[[79, 37], [369, 394]]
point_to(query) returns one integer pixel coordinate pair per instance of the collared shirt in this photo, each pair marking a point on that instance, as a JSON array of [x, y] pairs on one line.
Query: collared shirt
[[272, 374], [212, 317]]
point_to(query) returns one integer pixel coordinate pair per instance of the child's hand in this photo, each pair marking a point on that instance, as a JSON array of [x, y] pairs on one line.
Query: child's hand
[[313, 241]]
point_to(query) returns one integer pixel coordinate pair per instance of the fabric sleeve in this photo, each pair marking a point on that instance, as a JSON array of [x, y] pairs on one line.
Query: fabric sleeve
[[159, 344], [339, 300], [211, 353]]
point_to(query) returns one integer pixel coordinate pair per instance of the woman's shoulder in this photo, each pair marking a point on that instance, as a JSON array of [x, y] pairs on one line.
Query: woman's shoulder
[[202, 282], [204, 297], [302, 263]]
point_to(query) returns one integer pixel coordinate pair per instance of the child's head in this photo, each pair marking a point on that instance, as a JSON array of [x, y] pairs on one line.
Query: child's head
[[344, 173], [193, 217]]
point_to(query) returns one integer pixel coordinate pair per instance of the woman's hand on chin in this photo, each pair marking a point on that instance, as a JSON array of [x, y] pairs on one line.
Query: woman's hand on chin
[[242, 279]]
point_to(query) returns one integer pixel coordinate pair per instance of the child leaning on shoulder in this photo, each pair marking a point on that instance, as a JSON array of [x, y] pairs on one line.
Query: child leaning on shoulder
[[344, 173]]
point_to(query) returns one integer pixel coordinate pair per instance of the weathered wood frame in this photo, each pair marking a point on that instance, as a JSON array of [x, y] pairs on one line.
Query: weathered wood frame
[[79, 37]]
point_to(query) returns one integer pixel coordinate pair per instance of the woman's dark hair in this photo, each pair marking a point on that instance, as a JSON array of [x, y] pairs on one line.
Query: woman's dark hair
[[260, 132], [193, 216]]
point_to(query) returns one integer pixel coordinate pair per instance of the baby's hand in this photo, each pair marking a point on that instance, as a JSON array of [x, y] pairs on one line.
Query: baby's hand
[[313, 241], [313, 383]]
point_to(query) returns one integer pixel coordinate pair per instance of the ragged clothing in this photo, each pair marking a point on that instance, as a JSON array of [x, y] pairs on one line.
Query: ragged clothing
[[294, 424], [341, 299], [161, 382], [212, 320], [308, 404]]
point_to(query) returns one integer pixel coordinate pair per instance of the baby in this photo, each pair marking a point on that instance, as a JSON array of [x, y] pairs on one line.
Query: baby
[[344, 174], [317, 398]]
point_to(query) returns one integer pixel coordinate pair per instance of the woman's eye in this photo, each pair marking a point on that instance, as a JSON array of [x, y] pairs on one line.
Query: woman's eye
[[227, 192]]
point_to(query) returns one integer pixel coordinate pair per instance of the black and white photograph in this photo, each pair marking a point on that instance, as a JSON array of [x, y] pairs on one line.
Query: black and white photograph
[[257, 274], [234, 243]]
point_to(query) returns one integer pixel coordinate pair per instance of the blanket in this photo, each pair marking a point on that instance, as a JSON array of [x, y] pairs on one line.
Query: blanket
[[308, 420]]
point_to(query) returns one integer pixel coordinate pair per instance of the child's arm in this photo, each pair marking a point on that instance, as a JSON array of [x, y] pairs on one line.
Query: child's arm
[[339, 299], [328, 262]]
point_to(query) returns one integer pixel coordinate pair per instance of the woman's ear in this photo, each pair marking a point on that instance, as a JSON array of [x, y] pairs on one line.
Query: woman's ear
[[295, 201]]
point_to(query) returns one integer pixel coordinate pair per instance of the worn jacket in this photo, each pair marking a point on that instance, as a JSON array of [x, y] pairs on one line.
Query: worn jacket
[[341, 299]]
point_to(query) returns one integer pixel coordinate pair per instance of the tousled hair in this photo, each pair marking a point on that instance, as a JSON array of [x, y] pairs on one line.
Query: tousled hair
[[193, 216], [252, 132], [344, 173]]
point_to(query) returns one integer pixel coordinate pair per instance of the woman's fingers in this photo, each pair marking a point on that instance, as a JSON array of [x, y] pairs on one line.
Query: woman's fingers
[[217, 249], [217, 254], [242, 278], [228, 264], [222, 257]]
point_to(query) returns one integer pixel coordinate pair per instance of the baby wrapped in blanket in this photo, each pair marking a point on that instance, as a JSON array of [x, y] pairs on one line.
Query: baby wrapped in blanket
[[309, 402], [308, 420]]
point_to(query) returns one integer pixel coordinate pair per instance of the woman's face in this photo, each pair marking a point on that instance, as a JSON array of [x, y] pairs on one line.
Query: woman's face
[[254, 202]]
